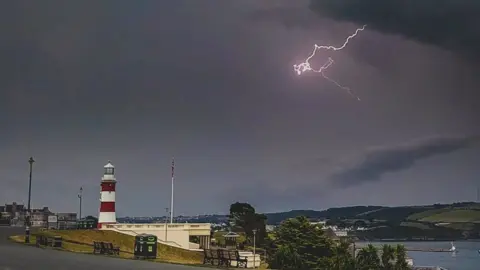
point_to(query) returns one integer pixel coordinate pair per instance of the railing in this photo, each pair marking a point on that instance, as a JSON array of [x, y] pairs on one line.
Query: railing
[[170, 243], [186, 226]]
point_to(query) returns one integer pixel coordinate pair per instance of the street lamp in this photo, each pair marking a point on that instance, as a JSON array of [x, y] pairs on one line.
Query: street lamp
[[254, 256], [80, 195], [166, 223], [27, 218]]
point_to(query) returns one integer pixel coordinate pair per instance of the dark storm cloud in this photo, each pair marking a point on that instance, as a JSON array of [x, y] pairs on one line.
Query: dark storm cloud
[[380, 161], [290, 17], [450, 24], [137, 82]]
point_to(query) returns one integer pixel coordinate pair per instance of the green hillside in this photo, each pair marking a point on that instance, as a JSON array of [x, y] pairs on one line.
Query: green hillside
[[454, 215], [331, 213], [394, 214], [456, 212], [427, 213]]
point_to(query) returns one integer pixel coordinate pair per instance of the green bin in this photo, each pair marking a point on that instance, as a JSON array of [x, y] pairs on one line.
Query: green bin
[[57, 242], [145, 246]]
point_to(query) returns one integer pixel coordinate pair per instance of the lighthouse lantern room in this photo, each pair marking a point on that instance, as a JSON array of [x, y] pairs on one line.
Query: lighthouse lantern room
[[107, 196]]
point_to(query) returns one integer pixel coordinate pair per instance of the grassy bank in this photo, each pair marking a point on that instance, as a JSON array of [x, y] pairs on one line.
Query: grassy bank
[[81, 241]]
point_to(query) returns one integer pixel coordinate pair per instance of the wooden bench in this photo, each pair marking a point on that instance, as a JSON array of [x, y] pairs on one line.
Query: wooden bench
[[225, 258], [48, 241], [98, 248], [210, 256], [112, 250], [234, 255], [105, 248]]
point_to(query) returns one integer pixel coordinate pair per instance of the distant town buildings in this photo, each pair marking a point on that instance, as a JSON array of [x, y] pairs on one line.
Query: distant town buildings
[[14, 215]]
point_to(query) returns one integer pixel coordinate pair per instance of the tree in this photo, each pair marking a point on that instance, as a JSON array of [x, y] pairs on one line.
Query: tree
[[343, 258], [286, 257], [243, 216], [239, 213], [301, 245], [401, 258], [341, 224], [360, 223], [367, 258], [388, 256]]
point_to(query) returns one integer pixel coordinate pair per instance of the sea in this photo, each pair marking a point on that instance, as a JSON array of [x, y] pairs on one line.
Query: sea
[[467, 257]]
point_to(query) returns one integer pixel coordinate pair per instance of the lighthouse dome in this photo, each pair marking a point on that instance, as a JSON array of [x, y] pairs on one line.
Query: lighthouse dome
[[109, 169], [109, 165]]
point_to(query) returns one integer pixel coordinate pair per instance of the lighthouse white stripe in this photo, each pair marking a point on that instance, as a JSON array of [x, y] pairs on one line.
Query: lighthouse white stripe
[[108, 177], [107, 196], [107, 217]]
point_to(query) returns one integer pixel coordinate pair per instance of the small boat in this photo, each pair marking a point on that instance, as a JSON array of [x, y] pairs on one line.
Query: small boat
[[453, 248]]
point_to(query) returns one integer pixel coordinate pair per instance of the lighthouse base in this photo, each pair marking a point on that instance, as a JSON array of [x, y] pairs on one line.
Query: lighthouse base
[[106, 218], [100, 225]]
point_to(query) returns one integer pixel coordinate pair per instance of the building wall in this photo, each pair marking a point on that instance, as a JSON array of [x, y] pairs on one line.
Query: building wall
[[72, 217], [178, 234], [66, 225], [179, 237]]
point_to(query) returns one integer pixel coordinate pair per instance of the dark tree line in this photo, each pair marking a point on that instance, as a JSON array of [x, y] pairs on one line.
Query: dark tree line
[[298, 244]]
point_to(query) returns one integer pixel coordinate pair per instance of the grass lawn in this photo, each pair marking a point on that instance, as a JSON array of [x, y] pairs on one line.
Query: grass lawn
[[81, 241]]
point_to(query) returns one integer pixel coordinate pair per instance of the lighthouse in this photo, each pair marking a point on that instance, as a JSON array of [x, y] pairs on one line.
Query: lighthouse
[[107, 197]]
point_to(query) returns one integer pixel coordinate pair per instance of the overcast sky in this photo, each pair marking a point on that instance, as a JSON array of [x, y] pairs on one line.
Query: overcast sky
[[212, 83]]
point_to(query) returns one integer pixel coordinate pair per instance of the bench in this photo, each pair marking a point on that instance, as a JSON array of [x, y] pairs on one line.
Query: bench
[[210, 256], [105, 248], [225, 258], [234, 255], [49, 241], [98, 248]]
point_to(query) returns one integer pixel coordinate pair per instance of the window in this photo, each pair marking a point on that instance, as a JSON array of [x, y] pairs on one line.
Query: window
[[109, 170]]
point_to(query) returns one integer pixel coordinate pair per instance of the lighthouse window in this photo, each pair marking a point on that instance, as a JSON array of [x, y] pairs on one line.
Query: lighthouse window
[[109, 170]]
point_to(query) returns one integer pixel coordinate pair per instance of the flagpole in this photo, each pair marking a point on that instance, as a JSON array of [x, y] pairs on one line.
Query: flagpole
[[171, 202]]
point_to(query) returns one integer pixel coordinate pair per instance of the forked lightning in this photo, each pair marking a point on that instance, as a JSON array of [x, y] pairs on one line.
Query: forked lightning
[[305, 66]]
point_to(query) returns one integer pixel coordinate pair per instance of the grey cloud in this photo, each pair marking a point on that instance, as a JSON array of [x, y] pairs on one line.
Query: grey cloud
[[377, 162], [290, 17], [450, 24]]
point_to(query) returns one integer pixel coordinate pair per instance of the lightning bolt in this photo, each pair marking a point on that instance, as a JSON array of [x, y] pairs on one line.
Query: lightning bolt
[[305, 66]]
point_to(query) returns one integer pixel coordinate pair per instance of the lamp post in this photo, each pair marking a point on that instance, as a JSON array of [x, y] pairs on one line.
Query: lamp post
[[80, 195], [254, 256], [166, 223], [27, 218]]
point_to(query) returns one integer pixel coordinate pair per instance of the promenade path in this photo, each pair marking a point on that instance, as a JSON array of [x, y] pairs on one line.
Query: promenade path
[[14, 256]]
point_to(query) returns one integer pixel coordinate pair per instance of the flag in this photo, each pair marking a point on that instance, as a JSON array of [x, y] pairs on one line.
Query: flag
[[173, 166]]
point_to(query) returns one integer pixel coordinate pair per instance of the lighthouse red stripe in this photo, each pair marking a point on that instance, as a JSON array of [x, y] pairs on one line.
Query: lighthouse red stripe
[[108, 186], [107, 207]]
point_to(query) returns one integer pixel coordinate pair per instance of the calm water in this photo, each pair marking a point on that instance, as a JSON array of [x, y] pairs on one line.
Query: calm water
[[467, 257]]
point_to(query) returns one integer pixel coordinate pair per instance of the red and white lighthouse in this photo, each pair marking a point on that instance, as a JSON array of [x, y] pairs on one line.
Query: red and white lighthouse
[[107, 197]]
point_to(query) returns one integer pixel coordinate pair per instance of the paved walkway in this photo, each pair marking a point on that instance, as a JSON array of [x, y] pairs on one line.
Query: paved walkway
[[14, 256]]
